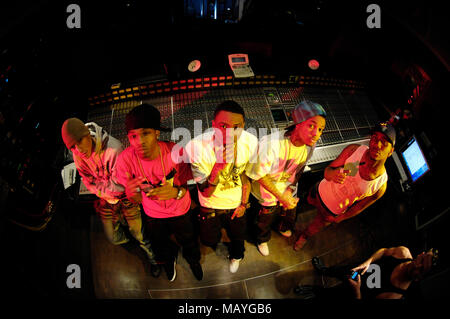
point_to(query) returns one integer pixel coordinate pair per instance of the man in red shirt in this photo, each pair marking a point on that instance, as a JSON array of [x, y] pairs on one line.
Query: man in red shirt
[[155, 175]]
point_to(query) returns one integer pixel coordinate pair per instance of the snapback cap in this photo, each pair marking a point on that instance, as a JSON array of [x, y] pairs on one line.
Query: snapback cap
[[388, 130], [305, 110]]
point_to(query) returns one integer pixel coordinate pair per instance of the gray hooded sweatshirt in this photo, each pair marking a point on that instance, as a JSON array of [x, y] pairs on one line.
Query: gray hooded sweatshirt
[[98, 170]]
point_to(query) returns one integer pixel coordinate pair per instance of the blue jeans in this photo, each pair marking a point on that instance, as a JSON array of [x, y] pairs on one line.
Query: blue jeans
[[115, 216]]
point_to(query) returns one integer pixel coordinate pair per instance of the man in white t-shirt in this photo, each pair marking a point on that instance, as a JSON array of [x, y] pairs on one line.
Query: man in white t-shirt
[[355, 180], [219, 160], [282, 157]]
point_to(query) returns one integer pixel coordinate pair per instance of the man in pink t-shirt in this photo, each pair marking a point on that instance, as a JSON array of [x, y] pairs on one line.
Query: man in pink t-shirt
[[155, 175]]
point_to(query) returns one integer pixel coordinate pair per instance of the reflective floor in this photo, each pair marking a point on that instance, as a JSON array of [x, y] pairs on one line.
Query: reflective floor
[[120, 272]]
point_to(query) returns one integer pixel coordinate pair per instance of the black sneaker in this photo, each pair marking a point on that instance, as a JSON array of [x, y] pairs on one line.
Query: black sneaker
[[155, 270], [319, 266], [197, 270], [170, 269], [305, 292]]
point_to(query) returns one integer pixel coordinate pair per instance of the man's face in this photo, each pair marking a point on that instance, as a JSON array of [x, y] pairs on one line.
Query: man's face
[[379, 146], [309, 131], [143, 140], [83, 147], [229, 125]]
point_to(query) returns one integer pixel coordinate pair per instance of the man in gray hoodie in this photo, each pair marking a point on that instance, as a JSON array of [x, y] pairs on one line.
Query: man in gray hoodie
[[95, 154]]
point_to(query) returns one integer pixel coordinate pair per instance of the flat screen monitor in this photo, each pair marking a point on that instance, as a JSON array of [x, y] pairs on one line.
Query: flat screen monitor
[[414, 159]]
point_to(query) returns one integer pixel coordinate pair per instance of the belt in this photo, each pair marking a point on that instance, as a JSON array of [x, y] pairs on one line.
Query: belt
[[212, 212]]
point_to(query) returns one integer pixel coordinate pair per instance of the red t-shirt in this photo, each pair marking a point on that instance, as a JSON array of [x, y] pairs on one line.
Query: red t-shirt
[[128, 162]]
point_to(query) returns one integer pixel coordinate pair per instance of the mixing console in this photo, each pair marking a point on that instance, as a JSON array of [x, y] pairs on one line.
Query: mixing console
[[350, 114]]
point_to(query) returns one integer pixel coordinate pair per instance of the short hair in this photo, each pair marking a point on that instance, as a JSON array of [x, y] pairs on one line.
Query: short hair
[[229, 106]]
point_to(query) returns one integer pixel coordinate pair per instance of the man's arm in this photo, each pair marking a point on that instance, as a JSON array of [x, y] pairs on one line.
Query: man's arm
[[124, 176], [361, 205], [333, 171], [208, 186], [102, 188], [246, 187], [286, 198]]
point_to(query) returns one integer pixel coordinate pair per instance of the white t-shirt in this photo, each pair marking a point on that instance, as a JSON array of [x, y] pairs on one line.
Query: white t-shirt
[[339, 197], [201, 154], [281, 160]]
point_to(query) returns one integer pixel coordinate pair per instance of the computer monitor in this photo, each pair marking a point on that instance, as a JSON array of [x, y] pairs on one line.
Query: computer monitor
[[414, 159]]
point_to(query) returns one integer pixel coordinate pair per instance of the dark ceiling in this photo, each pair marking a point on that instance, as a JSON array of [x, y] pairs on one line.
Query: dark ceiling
[[127, 40]]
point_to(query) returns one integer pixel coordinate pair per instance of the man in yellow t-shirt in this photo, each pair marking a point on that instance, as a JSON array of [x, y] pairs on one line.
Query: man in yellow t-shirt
[[282, 157], [219, 160]]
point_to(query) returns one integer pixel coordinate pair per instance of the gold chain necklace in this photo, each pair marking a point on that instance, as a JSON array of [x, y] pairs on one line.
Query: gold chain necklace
[[162, 165]]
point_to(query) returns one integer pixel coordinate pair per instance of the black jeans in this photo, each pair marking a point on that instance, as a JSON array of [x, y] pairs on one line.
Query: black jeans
[[211, 222], [160, 230], [267, 216]]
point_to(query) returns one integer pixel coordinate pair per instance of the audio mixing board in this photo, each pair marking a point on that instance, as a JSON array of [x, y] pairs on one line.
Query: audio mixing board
[[350, 114]]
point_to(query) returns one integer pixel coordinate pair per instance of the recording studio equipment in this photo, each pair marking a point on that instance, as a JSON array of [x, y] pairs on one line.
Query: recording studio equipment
[[350, 114]]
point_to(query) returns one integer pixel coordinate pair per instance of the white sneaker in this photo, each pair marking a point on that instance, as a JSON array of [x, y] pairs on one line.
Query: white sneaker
[[234, 265], [263, 249], [287, 233]]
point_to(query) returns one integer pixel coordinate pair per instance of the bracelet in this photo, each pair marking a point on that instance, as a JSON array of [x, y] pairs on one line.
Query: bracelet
[[180, 192], [246, 205]]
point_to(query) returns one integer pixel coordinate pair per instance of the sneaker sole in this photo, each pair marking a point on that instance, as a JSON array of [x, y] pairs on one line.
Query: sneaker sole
[[174, 275], [174, 271], [265, 255]]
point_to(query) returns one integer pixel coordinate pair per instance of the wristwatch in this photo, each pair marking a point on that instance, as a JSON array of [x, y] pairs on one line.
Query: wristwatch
[[180, 192]]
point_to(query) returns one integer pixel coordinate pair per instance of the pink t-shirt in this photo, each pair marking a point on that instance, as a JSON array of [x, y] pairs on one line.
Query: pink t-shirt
[[128, 162]]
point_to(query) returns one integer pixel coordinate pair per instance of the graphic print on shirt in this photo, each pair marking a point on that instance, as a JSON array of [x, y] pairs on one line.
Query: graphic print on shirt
[[351, 168], [169, 179], [231, 179]]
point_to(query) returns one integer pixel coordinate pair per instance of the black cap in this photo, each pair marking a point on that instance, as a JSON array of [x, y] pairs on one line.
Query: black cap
[[144, 116], [388, 130]]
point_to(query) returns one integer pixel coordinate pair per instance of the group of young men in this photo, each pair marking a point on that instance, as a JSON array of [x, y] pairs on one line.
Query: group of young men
[[228, 165]]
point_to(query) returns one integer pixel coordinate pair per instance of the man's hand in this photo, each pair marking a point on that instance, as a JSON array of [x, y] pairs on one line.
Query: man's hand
[[238, 212], [224, 160], [163, 192], [132, 189], [338, 175], [287, 200]]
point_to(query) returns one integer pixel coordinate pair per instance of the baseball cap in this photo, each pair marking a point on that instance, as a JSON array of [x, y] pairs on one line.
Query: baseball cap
[[388, 130], [144, 116], [305, 110]]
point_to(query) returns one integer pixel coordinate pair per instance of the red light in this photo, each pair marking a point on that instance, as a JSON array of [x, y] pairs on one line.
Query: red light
[[313, 64]]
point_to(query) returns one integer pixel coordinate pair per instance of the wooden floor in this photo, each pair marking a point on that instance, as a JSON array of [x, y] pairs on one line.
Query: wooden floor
[[120, 272]]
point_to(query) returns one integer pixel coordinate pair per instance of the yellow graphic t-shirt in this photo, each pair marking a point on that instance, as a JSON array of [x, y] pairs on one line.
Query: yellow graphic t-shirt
[[201, 154]]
